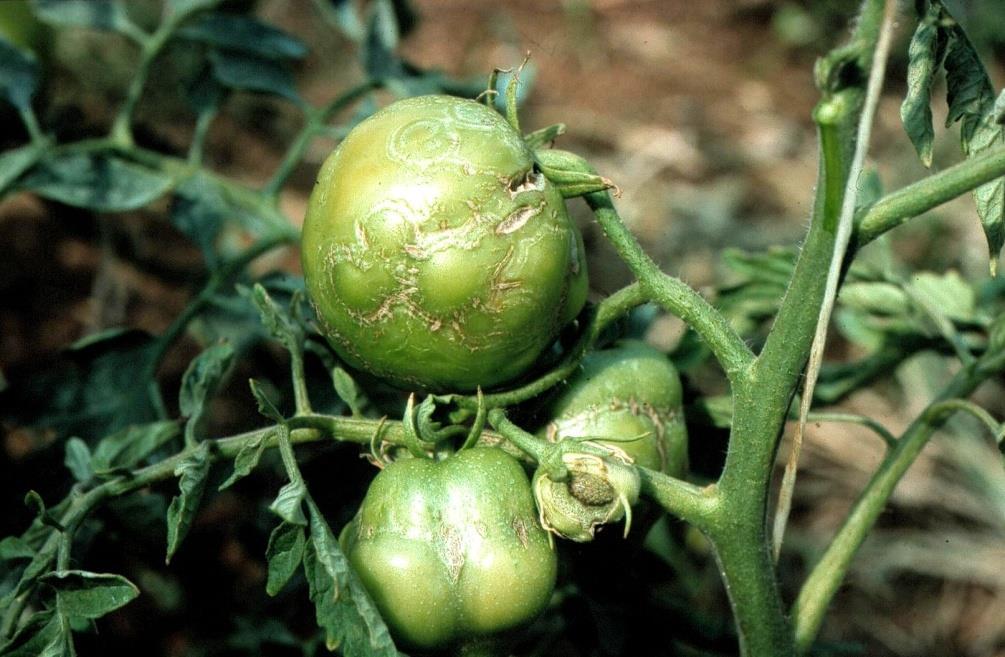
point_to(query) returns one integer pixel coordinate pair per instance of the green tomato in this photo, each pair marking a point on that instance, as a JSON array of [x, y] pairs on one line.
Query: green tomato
[[630, 394], [452, 551], [434, 253]]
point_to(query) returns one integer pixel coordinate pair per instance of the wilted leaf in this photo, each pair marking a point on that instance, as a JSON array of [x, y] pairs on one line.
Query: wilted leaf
[[288, 504], [200, 382], [193, 472], [925, 54], [246, 460]]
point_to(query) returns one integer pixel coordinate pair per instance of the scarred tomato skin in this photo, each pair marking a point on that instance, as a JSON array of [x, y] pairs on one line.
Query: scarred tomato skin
[[452, 551], [435, 255], [631, 394]]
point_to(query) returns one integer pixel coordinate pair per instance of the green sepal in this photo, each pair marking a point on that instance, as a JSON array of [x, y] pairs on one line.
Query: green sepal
[[571, 174], [540, 138]]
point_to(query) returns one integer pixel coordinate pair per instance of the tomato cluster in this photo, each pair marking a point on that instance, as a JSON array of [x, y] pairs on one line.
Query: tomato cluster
[[438, 256]]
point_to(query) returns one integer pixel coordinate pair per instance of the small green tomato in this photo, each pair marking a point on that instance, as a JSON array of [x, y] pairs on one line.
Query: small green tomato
[[627, 400], [629, 394], [434, 252], [451, 551]]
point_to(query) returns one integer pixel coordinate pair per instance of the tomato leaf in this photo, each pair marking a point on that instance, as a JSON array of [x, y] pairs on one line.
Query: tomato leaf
[[344, 610], [14, 163], [193, 472], [95, 14], [18, 75], [276, 320], [246, 460], [15, 548], [265, 405], [127, 448], [244, 34], [348, 391], [182, 8], [284, 553], [42, 630], [925, 55], [104, 183], [200, 382], [90, 595], [248, 72], [288, 504], [78, 459]]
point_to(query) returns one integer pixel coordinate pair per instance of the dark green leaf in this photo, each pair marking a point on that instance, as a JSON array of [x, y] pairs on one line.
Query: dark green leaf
[[96, 14], [97, 182], [198, 211], [34, 638], [193, 472], [78, 459], [265, 405], [90, 595], [343, 608], [204, 93], [18, 75], [252, 73], [284, 553], [200, 382], [15, 162], [928, 47], [246, 460], [15, 548], [244, 34], [379, 60], [288, 504], [127, 448]]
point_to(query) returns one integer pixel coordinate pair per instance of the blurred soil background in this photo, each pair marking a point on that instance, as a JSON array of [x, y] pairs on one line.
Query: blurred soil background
[[700, 112]]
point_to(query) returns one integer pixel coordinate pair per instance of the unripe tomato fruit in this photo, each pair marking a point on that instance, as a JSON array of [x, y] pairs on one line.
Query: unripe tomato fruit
[[452, 551], [631, 394], [434, 253]]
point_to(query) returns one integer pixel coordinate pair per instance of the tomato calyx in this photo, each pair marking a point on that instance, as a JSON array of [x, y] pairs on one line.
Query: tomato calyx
[[581, 485]]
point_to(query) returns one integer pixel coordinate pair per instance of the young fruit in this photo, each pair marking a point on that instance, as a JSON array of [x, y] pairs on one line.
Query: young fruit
[[435, 254], [451, 551], [626, 399], [629, 394]]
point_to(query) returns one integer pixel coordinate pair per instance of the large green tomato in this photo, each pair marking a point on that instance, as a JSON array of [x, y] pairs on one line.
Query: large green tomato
[[434, 253], [452, 551], [631, 394]]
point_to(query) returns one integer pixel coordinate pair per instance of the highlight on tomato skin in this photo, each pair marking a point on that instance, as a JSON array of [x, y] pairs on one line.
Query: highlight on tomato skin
[[451, 550], [434, 252]]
